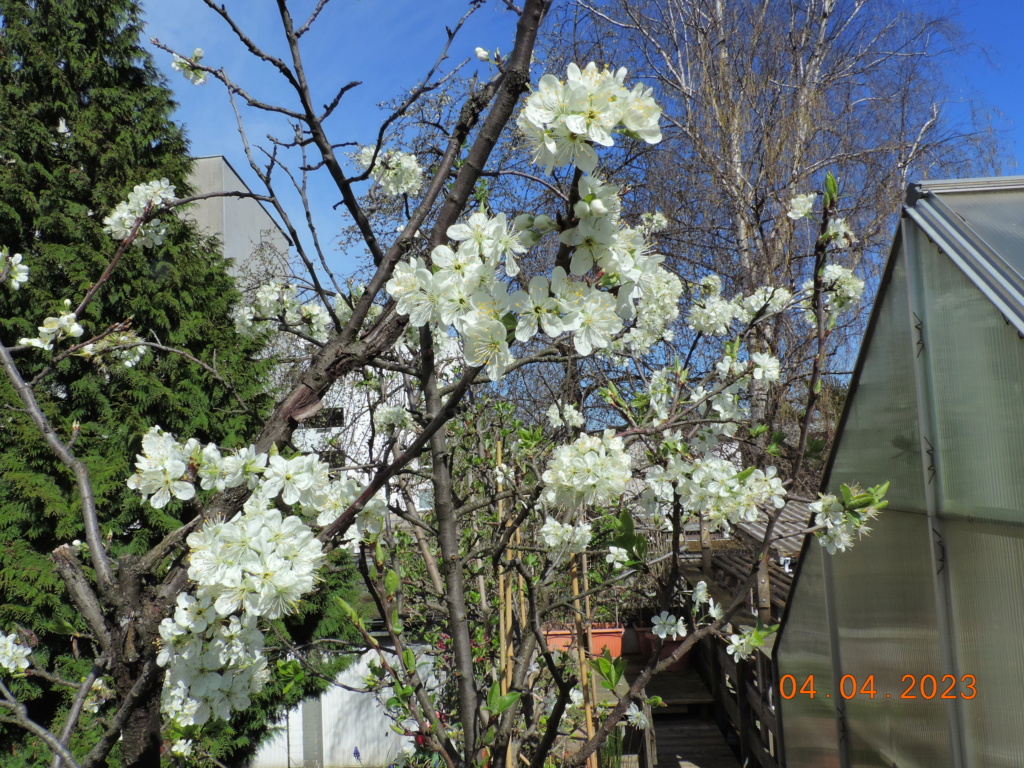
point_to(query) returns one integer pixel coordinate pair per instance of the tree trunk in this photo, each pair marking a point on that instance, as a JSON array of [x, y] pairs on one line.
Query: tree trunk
[[140, 742]]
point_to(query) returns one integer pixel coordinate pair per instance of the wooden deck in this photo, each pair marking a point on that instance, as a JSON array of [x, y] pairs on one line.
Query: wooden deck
[[688, 741], [684, 733]]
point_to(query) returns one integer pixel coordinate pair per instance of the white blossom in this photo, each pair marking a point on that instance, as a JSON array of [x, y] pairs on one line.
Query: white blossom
[[12, 271], [839, 232], [616, 557], [667, 626], [189, 67], [801, 206], [740, 646], [55, 329], [636, 718], [13, 655]]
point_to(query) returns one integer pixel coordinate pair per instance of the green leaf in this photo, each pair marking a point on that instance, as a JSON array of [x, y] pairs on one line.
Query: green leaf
[[639, 549], [507, 701], [814, 447], [742, 476], [759, 430], [847, 494], [831, 188], [63, 627], [391, 582], [879, 490]]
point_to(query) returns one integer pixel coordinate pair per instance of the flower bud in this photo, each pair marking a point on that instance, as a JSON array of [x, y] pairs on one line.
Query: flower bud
[[581, 209], [529, 238], [523, 221], [543, 223]]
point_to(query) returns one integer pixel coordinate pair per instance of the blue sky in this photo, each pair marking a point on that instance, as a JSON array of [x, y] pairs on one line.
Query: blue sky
[[387, 46], [390, 44]]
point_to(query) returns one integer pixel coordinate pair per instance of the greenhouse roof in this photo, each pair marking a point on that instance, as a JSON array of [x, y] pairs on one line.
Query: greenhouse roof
[[979, 224]]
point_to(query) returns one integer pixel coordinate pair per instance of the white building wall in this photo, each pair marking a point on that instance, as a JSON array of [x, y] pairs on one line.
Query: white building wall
[[241, 224], [348, 720]]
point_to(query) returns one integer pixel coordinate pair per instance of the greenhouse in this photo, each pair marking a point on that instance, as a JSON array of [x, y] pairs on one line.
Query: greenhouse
[[905, 651]]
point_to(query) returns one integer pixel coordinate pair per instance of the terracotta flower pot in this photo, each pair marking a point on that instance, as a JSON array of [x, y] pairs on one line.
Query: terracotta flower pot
[[606, 637], [601, 638]]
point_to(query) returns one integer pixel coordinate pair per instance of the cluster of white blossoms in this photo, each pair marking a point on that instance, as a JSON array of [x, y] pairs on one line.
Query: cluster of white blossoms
[[717, 488], [839, 233], [567, 416], [213, 664], [98, 695], [840, 290], [726, 495], [713, 314], [276, 302], [13, 655], [591, 470], [56, 328], [700, 597], [168, 469], [259, 564], [143, 198], [392, 418], [12, 271], [561, 121], [162, 467], [839, 522], [397, 173], [464, 289], [837, 535], [657, 309], [189, 67], [124, 347], [341, 493], [565, 539], [182, 748]]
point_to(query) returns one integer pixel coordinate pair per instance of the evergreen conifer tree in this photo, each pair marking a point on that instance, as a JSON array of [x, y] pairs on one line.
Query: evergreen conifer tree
[[86, 116]]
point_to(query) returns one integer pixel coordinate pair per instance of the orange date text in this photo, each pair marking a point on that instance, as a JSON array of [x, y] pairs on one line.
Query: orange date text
[[913, 687]]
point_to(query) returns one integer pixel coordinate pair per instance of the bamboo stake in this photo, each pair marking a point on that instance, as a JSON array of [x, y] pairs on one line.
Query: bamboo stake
[[588, 714], [588, 612], [505, 651]]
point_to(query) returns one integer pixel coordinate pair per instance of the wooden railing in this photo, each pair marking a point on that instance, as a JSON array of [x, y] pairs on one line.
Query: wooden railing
[[745, 694]]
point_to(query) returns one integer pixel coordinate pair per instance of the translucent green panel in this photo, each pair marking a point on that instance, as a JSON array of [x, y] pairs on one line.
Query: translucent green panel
[[995, 217], [986, 566], [810, 738], [880, 439], [976, 364], [887, 625]]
